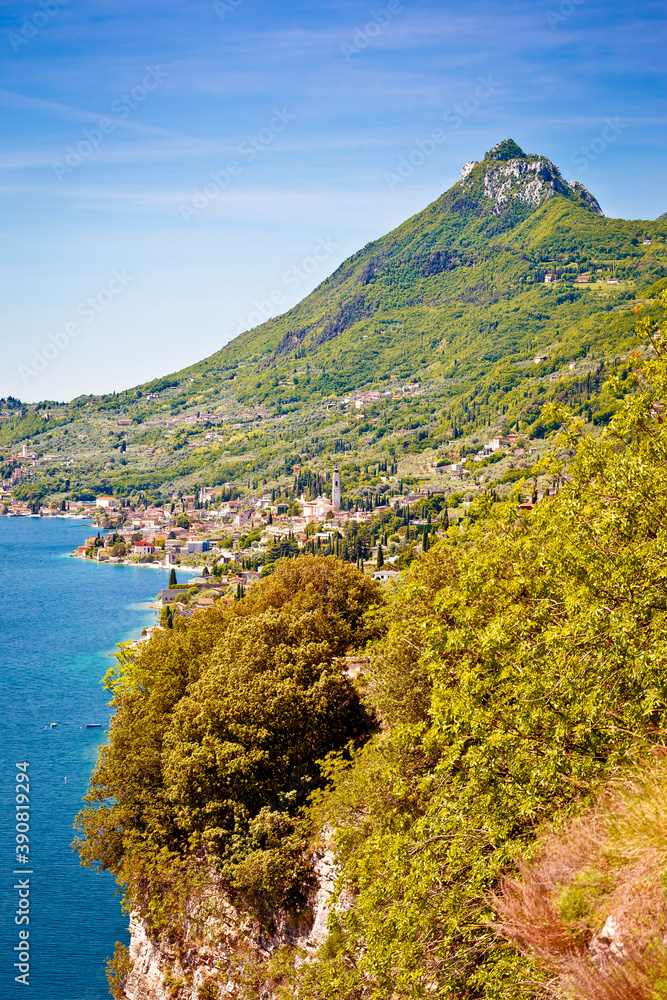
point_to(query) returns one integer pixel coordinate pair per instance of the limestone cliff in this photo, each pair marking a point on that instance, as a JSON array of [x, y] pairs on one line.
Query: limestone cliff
[[224, 954], [508, 176]]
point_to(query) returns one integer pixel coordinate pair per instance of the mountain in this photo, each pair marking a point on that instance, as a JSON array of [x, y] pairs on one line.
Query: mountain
[[457, 298], [430, 298]]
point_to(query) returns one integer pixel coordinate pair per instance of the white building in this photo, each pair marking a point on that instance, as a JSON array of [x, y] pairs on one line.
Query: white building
[[384, 574], [316, 510]]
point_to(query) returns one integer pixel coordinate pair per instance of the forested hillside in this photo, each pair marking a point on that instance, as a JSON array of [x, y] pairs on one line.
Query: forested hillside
[[512, 696], [511, 264]]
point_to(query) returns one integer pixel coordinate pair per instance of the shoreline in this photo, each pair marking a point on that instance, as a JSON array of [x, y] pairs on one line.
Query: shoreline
[[121, 562]]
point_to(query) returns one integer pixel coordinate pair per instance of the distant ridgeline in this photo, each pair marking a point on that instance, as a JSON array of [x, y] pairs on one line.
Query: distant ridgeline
[[513, 262]]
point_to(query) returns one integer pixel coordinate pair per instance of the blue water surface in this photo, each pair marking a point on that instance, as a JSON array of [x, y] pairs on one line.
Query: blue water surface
[[60, 619]]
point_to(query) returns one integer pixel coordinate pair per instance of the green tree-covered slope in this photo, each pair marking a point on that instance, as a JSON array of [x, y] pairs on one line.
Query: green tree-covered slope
[[456, 289], [454, 298], [516, 670]]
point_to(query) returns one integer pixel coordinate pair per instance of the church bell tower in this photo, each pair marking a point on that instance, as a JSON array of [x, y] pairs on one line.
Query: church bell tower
[[335, 490]]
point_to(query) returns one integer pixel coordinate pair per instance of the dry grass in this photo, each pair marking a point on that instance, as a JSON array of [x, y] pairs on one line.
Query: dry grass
[[593, 908]]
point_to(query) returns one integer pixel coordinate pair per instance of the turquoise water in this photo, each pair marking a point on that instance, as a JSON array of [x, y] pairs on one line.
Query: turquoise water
[[60, 619]]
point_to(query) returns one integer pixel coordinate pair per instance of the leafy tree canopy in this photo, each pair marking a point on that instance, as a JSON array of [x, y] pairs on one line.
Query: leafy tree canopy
[[223, 718]]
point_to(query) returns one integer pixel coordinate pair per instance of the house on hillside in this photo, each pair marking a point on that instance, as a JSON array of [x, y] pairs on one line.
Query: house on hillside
[[386, 573], [198, 545], [144, 549]]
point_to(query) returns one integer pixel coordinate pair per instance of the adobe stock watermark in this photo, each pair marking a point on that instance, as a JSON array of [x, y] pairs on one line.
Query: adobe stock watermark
[[365, 33], [121, 107], [32, 26], [87, 312], [426, 147], [560, 14], [586, 154], [248, 151], [225, 7], [22, 884], [292, 278]]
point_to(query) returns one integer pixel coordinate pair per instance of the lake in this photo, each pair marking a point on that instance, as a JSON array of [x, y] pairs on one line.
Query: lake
[[60, 619]]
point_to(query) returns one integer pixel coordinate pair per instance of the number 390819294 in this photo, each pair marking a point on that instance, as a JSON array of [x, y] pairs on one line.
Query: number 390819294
[[22, 812]]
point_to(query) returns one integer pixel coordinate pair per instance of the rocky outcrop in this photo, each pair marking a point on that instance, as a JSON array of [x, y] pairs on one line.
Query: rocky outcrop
[[467, 168], [606, 947], [584, 195], [507, 175], [528, 181], [216, 956]]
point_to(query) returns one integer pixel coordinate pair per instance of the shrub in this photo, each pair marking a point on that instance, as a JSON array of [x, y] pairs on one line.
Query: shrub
[[118, 969], [207, 990]]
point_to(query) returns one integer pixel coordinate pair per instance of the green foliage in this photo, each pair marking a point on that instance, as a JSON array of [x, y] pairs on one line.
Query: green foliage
[[118, 969], [247, 540], [522, 666], [276, 870], [218, 725], [30, 491], [25, 423], [207, 990], [578, 899]]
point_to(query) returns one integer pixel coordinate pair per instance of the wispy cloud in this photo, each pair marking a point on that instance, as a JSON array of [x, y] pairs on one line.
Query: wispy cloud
[[353, 119]]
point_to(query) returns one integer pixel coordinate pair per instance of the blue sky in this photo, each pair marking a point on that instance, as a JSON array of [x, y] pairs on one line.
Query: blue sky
[[174, 173]]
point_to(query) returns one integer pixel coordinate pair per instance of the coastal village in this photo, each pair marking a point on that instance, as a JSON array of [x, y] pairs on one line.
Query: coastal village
[[222, 540]]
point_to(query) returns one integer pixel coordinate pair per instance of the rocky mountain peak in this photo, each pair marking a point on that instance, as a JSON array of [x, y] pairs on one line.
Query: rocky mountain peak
[[507, 175]]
